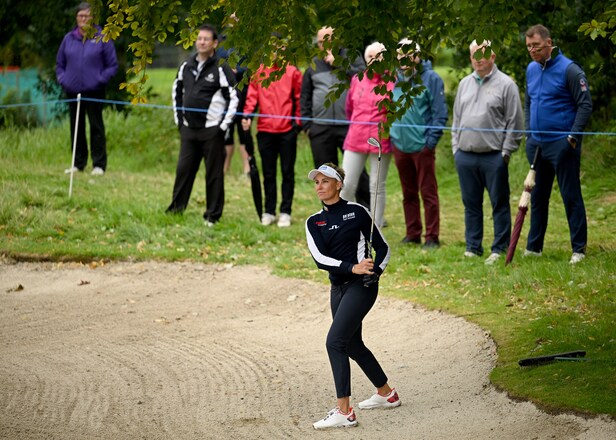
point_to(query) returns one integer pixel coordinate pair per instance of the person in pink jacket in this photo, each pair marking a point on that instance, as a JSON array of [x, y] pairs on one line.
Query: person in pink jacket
[[364, 115]]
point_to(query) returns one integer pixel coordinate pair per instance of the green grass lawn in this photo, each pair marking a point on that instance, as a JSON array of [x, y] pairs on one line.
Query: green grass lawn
[[530, 308]]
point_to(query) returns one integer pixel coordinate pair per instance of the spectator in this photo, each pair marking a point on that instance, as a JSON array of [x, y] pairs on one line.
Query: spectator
[[558, 107], [364, 114], [325, 123], [487, 129], [205, 84], [276, 136], [84, 65], [239, 71], [414, 140]]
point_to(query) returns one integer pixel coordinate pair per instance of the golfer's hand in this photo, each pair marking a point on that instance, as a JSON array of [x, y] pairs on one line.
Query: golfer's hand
[[246, 124], [364, 267]]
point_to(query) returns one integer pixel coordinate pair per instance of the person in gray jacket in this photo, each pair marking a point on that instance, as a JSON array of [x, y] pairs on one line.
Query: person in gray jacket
[[327, 125], [487, 128]]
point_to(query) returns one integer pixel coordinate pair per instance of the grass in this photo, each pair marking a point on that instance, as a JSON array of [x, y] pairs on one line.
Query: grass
[[530, 308]]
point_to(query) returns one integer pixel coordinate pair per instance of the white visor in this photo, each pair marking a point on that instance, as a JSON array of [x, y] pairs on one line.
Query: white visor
[[326, 171]]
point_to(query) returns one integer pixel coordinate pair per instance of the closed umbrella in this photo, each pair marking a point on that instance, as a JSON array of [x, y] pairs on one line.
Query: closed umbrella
[[255, 180], [529, 184]]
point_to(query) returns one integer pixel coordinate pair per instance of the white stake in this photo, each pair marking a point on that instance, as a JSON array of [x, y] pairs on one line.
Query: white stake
[[70, 187]]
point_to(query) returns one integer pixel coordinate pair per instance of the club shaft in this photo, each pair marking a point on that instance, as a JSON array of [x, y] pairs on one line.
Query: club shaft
[[376, 194]]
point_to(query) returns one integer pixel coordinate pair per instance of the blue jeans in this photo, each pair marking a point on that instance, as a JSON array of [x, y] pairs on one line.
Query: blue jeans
[[558, 159], [477, 171]]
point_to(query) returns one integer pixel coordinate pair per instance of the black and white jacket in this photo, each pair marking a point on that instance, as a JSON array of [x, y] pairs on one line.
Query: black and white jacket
[[338, 238], [205, 97]]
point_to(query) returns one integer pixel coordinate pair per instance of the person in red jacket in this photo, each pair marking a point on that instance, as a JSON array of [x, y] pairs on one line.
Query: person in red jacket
[[277, 128]]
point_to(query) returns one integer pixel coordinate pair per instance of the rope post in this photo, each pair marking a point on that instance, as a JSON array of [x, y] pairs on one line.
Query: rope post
[[70, 187]]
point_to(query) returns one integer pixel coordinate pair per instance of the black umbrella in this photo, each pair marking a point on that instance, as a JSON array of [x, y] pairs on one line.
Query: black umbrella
[[255, 180]]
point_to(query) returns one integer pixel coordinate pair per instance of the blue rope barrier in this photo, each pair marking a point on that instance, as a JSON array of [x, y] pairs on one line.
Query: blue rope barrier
[[322, 120]]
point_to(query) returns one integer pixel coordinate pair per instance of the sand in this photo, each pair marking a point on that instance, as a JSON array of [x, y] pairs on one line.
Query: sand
[[192, 351]]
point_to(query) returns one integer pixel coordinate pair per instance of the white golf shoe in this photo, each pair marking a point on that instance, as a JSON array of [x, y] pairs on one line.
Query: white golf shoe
[[377, 401], [493, 258], [284, 221], [267, 219], [335, 419]]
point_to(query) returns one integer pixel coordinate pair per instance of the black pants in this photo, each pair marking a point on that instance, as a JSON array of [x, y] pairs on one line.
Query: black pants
[[197, 144], [272, 146], [350, 303], [325, 142], [98, 142]]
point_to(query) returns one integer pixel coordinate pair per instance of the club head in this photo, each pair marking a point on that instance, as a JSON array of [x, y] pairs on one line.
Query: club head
[[374, 142]]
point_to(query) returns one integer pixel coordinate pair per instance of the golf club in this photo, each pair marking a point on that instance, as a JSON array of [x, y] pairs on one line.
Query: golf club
[[375, 143]]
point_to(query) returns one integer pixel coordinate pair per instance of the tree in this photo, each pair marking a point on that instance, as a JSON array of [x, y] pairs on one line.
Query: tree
[[431, 24], [139, 24]]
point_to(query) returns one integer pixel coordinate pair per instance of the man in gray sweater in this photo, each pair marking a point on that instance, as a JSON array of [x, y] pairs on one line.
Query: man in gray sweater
[[487, 128]]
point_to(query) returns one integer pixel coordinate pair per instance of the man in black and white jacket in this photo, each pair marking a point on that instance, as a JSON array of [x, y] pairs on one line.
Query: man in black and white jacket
[[204, 102]]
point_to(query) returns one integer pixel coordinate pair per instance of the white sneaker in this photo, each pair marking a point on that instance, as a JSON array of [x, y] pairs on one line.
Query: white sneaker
[[377, 401], [469, 254], [267, 219], [577, 257], [98, 171], [209, 224], [335, 419], [71, 170], [529, 253], [284, 221], [493, 258]]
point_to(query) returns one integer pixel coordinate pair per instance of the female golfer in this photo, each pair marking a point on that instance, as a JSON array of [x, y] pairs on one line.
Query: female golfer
[[338, 238]]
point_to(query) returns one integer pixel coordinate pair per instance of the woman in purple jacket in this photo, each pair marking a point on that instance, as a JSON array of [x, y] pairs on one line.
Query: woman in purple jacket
[[85, 65]]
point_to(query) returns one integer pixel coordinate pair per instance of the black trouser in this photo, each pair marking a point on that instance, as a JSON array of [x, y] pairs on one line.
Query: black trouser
[[271, 146], [207, 144], [350, 303], [325, 141], [98, 143]]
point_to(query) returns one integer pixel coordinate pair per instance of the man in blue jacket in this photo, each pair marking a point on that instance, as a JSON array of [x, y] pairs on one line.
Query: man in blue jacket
[[558, 107], [414, 138], [85, 65]]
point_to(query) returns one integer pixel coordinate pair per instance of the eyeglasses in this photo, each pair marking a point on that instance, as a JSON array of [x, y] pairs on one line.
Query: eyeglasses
[[83, 16], [536, 48]]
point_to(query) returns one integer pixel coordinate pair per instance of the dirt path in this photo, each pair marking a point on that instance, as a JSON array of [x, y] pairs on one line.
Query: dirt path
[[189, 351]]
